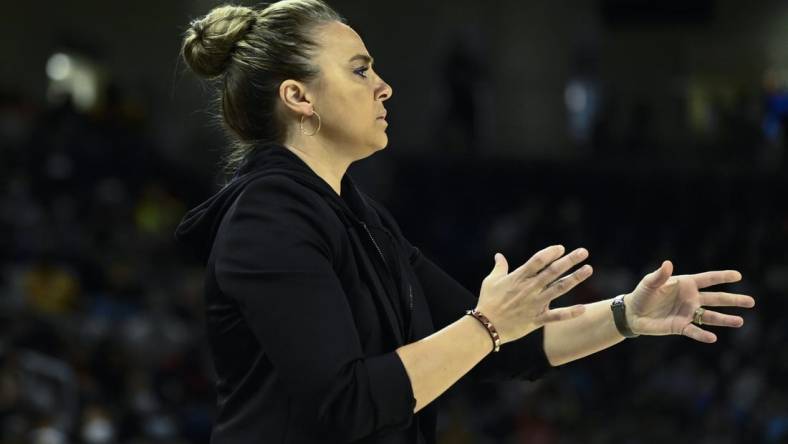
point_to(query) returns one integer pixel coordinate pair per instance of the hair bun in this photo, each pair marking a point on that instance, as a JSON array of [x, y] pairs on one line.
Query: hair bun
[[209, 41]]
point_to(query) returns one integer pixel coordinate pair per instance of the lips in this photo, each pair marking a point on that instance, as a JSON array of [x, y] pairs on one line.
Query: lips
[[382, 116]]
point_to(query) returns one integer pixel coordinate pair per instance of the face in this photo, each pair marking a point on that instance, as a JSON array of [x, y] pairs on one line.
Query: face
[[349, 94]]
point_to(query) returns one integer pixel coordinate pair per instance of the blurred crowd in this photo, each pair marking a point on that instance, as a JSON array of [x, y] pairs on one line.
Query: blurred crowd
[[102, 336], [101, 329]]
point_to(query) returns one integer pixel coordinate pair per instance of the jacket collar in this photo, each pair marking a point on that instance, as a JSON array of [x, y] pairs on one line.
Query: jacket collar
[[199, 225], [275, 157]]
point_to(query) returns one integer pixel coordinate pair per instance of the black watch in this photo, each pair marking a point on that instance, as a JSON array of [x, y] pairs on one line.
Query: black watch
[[620, 318]]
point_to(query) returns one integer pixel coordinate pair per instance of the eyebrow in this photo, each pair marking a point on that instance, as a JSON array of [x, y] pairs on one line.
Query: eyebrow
[[365, 58]]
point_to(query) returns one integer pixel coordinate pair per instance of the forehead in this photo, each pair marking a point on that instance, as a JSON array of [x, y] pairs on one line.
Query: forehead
[[339, 42]]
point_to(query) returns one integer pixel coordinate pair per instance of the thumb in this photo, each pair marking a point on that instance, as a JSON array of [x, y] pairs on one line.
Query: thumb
[[656, 278], [501, 266]]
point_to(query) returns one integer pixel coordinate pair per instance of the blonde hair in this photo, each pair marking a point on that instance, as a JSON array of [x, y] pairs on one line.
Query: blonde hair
[[249, 52]]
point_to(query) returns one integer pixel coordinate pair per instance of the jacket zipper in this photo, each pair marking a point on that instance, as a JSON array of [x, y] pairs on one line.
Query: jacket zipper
[[380, 252], [372, 238]]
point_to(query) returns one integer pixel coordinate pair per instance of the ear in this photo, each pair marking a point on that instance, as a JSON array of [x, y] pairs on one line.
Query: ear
[[295, 97]]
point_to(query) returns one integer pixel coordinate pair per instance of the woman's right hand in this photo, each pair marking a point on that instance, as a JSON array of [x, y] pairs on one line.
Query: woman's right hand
[[518, 303]]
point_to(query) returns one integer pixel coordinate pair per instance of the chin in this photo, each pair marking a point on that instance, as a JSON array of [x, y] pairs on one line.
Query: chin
[[378, 144], [384, 142]]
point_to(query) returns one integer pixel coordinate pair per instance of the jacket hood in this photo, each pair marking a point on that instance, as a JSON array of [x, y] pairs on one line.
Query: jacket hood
[[198, 227]]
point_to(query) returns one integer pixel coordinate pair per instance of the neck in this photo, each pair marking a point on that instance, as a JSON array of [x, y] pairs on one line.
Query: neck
[[323, 158]]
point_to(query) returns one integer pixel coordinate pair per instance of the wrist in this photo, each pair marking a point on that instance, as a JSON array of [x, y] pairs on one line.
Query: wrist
[[480, 338]]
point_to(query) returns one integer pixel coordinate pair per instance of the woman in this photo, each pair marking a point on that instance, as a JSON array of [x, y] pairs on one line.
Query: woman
[[325, 324]]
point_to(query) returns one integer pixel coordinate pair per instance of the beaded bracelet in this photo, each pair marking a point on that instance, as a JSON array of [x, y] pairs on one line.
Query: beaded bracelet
[[489, 326]]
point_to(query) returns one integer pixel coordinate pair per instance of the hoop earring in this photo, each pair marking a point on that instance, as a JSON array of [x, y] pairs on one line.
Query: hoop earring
[[319, 122]]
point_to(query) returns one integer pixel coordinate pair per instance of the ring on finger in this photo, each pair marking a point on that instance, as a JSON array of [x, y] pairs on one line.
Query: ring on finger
[[697, 317]]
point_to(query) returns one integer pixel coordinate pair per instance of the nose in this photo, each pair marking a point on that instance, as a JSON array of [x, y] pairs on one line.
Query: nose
[[384, 91]]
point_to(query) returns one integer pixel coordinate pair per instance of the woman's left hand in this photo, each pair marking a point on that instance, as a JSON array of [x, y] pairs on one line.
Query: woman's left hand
[[661, 305]]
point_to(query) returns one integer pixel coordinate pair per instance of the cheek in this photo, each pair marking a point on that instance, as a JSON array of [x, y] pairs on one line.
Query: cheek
[[351, 110]]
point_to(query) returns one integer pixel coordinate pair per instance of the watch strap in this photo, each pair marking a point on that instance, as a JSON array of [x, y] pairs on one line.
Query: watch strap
[[620, 318]]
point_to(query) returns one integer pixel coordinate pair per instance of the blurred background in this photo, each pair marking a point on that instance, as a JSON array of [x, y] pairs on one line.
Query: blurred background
[[641, 130]]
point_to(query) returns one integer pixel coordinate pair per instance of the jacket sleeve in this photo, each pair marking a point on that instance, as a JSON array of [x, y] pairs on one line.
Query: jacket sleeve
[[273, 255], [448, 300]]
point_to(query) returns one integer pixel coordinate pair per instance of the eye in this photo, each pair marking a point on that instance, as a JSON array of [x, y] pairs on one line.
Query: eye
[[361, 71]]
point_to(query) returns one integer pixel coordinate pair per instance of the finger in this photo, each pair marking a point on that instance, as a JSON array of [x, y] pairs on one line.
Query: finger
[[566, 283], [720, 319], [562, 314], [561, 266], [501, 266], [709, 278], [692, 331], [722, 299], [538, 261], [658, 277]]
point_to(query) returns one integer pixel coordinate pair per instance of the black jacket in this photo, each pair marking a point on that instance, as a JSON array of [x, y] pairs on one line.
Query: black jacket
[[308, 294]]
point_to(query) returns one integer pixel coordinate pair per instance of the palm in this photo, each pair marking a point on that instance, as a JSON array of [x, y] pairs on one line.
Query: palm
[[661, 305]]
